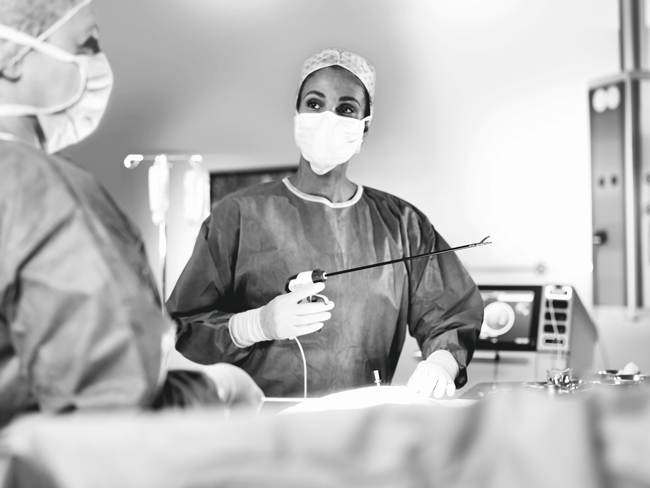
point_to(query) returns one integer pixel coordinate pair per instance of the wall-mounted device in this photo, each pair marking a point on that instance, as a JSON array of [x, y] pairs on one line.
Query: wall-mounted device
[[619, 109]]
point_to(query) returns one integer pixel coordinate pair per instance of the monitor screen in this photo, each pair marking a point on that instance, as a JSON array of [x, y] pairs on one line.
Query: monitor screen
[[510, 317]]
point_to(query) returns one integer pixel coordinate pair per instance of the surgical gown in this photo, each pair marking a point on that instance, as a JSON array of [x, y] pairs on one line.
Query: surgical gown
[[258, 237], [80, 316]]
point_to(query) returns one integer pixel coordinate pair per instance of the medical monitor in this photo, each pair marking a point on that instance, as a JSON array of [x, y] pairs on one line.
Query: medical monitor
[[510, 317]]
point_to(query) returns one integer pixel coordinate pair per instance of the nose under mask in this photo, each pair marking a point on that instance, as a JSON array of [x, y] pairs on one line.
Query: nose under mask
[[327, 140]]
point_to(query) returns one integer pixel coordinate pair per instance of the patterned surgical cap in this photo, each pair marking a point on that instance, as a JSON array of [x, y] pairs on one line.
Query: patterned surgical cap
[[355, 64]]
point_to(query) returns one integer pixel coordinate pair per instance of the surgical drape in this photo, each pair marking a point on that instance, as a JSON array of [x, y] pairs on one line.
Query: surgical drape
[[256, 238]]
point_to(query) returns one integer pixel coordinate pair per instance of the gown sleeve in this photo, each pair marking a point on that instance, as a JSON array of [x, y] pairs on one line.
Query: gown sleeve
[[62, 346], [203, 300], [445, 309]]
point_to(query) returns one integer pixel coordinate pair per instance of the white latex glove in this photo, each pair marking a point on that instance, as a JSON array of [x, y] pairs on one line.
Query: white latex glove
[[282, 318], [285, 318], [436, 374], [235, 387]]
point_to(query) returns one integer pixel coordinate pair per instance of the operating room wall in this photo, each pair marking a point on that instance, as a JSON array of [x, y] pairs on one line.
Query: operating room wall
[[481, 113]]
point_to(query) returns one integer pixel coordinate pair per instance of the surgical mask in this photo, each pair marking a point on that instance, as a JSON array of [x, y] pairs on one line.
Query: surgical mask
[[327, 140], [72, 121]]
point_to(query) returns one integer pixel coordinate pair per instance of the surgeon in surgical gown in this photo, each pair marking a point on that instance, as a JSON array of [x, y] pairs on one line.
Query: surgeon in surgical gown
[[230, 303], [80, 317]]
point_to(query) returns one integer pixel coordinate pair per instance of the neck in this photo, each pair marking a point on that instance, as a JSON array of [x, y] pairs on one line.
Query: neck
[[24, 129], [334, 185]]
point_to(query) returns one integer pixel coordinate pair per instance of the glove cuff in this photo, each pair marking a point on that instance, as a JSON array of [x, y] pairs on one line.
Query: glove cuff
[[445, 360], [246, 329]]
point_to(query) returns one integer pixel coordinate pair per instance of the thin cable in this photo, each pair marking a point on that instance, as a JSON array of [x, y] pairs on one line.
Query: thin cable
[[304, 364]]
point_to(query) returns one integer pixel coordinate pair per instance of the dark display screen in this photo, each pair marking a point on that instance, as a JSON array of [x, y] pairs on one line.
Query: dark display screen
[[510, 317]]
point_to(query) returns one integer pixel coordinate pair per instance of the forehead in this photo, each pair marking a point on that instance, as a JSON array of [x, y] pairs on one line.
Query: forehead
[[334, 79]]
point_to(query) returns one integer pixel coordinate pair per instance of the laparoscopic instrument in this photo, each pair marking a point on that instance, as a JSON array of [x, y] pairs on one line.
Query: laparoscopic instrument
[[320, 276]]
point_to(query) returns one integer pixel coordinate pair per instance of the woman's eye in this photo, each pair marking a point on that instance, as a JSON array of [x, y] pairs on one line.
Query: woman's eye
[[313, 104], [91, 45], [346, 110]]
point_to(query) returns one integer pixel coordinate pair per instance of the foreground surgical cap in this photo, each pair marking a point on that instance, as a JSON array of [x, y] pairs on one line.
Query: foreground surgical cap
[[354, 63], [37, 18]]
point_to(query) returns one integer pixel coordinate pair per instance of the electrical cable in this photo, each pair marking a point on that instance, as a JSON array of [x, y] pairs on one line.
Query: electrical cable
[[304, 365]]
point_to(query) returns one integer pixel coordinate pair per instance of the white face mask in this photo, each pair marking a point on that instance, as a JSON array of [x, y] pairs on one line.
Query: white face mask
[[327, 140], [74, 120]]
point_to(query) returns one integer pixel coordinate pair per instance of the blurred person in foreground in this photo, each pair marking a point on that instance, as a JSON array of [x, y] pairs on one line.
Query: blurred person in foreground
[[80, 316]]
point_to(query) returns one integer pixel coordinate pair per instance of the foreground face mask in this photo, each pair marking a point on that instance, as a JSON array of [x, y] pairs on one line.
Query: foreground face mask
[[327, 140], [72, 121]]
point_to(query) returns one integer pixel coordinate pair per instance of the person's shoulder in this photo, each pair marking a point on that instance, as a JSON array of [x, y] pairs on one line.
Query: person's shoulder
[[252, 192], [18, 163], [395, 203], [25, 171], [383, 196], [33, 199]]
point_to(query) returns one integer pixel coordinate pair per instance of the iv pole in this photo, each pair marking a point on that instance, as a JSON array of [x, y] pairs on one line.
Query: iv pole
[[159, 200]]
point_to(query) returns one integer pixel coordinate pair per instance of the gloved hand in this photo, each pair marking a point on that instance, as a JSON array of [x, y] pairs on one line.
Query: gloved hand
[[436, 374], [235, 387], [285, 318], [282, 318]]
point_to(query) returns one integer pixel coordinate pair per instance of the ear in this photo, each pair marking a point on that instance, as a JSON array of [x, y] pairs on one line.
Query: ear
[[365, 130], [13, 72]]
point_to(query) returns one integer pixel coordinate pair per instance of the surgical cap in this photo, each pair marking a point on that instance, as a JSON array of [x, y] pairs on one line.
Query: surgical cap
[[354, 63], [33, 17]]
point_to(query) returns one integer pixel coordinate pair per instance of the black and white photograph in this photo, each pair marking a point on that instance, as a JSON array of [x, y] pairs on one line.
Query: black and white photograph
[[324, 243]]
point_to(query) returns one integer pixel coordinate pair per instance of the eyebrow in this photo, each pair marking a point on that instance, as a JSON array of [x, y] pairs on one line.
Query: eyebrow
[[349, 99], [314, 92]]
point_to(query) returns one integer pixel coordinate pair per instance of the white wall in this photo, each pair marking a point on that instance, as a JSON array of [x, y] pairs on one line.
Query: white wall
[[498, 132]]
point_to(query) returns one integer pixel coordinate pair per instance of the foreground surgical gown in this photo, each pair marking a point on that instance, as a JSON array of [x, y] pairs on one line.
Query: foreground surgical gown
[[258, 237], [80, 317]]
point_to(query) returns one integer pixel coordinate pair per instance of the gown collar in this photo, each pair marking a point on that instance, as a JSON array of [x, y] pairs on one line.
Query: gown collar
[[323, 200]]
